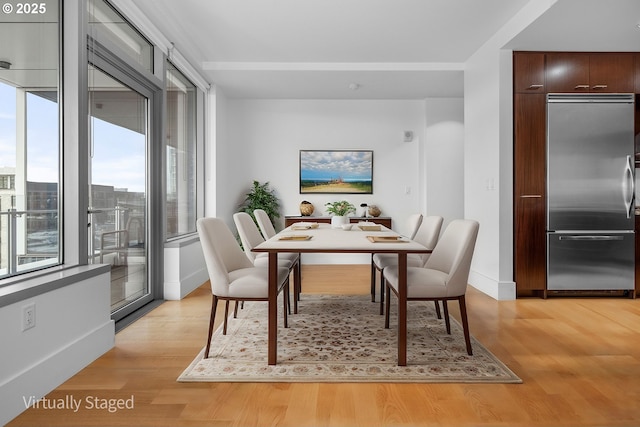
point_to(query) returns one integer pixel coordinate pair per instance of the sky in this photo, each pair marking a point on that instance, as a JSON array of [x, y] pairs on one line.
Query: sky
[[326, 165], [119, 154]]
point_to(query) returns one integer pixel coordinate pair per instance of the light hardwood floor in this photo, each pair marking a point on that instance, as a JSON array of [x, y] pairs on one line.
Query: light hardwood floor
[[579, 359]]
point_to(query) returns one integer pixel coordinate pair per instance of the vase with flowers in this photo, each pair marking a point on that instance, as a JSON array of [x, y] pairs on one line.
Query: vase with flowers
[[340, 211]]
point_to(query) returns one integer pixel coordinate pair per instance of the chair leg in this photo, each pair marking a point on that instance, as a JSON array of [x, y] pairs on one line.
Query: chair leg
[[383, 285], [438, 309], [296, 286], [299, 278], [465, 323], [214, 305], [235, 309], [446, 315], [226, 315], [373, 281], [286, 302], [388, 312], [287, 296]]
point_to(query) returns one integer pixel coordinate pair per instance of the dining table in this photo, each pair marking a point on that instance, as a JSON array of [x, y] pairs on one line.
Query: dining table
[[310, 237]]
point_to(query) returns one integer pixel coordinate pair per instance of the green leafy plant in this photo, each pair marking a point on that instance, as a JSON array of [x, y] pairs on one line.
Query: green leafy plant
[[340, 208], [261, 197]]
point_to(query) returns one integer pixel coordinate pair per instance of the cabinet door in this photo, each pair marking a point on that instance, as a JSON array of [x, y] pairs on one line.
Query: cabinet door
[[528, 72], [529, 192], [567, 72], [611, 72], [637, 73], [530, 144], [530, 252], [637, 290]]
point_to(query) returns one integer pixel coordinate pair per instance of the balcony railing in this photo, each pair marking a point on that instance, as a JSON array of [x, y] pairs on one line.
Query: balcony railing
[[29, 240]]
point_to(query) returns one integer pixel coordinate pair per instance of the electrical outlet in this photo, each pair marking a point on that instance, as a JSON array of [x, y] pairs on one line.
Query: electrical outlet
[[28, 316]]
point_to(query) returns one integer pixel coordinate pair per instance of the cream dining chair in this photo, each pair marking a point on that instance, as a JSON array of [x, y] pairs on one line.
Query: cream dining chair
[[268, 231], [250, 237], [427, 235], [444, 276], [233, 277], [413, 224]]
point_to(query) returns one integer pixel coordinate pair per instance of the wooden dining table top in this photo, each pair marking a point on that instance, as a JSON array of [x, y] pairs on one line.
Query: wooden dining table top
[[319, 237]]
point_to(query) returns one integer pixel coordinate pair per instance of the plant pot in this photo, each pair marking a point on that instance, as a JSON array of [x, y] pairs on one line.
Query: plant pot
[[338, 220]]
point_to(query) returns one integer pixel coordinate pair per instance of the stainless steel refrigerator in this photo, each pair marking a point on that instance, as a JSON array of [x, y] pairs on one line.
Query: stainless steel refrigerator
[[590, 192]]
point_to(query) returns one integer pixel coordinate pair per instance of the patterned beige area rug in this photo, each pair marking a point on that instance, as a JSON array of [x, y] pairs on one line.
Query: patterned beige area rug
[[341, 338]]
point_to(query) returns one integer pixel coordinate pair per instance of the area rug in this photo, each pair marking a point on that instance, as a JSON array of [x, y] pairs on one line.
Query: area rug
[[341, 338]]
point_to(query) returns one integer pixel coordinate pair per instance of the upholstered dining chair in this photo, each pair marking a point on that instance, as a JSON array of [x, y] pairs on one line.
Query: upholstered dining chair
[[427, 235], [250, 237], [444, 276], [413, 224], [233, 277], [268, 231], [264, 222]]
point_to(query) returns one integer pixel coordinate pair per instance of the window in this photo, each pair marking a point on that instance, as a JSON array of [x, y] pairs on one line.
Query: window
[[29, 138], [107, 25], [181, 153]]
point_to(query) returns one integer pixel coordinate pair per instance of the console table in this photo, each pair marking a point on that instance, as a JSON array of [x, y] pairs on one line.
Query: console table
[[382, 220]]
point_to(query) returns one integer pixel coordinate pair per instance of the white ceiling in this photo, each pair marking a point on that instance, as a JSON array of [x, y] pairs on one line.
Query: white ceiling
[[406, 49], [393, 49]]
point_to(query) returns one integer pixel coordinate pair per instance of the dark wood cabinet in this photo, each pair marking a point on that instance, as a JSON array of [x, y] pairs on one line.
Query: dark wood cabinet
[[382, 220], [530, 256], [611, 72], [530, 144], [567, 73], [637, 290], [637, 72], [528, 72], [590, 72], [563, 72], [529, 192], [637, 134]]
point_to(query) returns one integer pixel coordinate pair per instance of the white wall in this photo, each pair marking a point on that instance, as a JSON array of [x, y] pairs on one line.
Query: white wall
[[488, 195], [264, 138], [268, 135], [73, 328], [444, 158], [184, 267]]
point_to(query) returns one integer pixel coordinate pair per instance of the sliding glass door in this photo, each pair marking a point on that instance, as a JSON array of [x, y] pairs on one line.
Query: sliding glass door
[[119, 142]]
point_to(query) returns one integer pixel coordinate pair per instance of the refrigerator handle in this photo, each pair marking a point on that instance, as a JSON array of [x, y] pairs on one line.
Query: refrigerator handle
[[630, 187], [595, 238]]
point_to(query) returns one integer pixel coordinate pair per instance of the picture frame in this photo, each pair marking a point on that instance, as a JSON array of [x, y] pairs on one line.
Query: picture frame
[[336, 172]]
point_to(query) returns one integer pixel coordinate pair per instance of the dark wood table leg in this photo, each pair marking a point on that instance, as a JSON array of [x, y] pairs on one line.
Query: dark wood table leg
[[273, 308], [373, 281], [402, 309]]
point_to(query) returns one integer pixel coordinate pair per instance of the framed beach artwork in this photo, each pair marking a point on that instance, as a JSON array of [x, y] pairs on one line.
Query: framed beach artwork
[[336, 171]]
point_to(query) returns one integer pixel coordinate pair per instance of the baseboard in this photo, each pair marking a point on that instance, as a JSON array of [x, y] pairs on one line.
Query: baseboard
[[54, 369], [501, 291], [176, 290]]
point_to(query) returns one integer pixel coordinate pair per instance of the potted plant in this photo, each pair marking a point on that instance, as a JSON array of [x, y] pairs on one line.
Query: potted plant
[[261, 197], [340, 210]]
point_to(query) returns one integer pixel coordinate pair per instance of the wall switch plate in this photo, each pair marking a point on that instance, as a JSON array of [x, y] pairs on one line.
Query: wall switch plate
[[28, 316]]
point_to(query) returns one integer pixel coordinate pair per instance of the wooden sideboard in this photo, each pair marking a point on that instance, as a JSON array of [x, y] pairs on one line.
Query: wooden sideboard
[[382, 220]]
